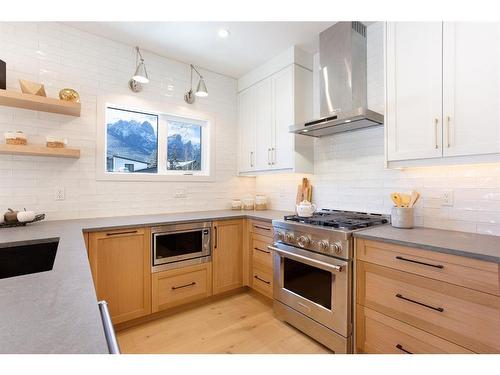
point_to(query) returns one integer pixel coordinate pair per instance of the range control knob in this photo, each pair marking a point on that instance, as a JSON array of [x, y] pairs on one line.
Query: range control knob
[[303, 241], [289, 237], [323, 245], [281, 235], [336, 247]]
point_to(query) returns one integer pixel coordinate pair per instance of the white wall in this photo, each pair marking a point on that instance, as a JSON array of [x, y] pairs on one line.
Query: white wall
[[61, 56], [350, 174]]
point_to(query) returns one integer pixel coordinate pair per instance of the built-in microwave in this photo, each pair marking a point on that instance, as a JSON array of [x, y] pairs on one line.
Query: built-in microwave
[[179, 245]]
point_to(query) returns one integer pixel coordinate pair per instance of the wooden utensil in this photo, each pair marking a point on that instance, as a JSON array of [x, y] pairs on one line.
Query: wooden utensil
[[414, 198], [396, 198], [405, 200]]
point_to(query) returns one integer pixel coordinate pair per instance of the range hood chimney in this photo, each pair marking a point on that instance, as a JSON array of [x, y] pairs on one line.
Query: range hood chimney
[[343, 106]]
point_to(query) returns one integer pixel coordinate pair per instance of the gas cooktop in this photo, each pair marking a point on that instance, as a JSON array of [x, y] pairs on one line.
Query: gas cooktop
[[344, 220]]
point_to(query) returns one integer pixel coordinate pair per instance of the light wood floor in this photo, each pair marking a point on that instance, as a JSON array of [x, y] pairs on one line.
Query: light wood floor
[[242, 323]]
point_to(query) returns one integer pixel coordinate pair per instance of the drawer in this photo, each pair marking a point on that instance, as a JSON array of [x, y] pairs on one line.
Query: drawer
[[178, 286], [463, 316], [470, 273], [262, 281], [262, 227], [261, 255], [379, 334]]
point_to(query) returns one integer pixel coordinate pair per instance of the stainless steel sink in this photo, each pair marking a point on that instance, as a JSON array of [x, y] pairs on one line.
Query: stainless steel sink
[[27, 257]]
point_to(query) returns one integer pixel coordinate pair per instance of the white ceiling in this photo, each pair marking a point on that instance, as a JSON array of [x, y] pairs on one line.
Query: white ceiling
[[248, 45]]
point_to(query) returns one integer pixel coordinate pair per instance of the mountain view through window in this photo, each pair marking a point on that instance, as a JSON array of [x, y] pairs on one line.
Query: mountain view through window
[[183, 146], [132, 141]]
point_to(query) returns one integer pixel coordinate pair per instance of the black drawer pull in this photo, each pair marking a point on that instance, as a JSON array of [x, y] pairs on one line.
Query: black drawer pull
[[118, 233], [418, 262], [264, 281], [263, 251], [400, 347], [183, 286], [263, 228], [440, 309]]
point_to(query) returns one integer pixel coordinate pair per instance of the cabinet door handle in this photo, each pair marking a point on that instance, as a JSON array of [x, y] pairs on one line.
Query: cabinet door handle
[[118, 233], [216, 237], [440, 309], [400, 347], [418, 262], [183, 286], [448, 120], [251, 159], [264, 281], [263, 251], [436, 123], [263, 228]]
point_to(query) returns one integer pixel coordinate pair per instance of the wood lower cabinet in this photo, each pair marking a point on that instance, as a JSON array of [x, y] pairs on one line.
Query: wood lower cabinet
[[261, 258], [227, 255], [381, 334], [179, 286], [120, 261], [417, 293]]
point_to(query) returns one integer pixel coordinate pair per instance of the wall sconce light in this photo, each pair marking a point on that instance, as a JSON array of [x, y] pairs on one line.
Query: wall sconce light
[[201, 89], [141, 75]]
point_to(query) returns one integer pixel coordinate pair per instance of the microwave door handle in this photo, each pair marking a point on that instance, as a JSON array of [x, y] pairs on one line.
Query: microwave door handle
[[306, 260]]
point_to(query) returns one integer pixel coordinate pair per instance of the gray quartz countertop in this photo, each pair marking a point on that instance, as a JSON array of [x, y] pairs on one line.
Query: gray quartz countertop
[[56, 311], [471, 245]]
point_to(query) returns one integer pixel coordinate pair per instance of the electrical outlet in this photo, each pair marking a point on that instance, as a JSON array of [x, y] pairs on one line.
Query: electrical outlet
[[59, 194], [447, 198], [180, 193]]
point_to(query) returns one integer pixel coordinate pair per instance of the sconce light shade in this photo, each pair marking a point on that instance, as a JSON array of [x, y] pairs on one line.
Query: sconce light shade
[[201, 90], [141, 74]]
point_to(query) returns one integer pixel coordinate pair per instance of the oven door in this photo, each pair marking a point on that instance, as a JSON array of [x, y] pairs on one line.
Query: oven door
[[315, 285], [182, 244]]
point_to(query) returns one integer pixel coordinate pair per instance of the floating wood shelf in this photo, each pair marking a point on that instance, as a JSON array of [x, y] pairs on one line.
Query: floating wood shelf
[[39, 103], [34, 150]]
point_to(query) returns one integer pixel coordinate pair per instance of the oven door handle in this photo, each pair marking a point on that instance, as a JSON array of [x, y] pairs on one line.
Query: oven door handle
[[301, 258]]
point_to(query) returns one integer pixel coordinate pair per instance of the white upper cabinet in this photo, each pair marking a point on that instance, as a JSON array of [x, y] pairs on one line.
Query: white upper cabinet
[[283, 141], [247, 131], [271, 100], [414, 90], [471, 101], [443, 93], [264, 121]]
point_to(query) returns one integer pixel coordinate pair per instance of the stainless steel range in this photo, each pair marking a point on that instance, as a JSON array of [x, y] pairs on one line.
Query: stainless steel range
[[313, 273]]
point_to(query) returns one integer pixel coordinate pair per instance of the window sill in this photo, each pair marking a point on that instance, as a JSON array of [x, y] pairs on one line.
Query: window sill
[[154, 177]]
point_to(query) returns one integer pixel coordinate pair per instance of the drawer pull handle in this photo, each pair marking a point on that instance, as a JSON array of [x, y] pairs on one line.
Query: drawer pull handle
[[264, 281], [183, 286], [440, 309], [118, 233], [400, 347], [418, 262], [263, 228], [263, 251]]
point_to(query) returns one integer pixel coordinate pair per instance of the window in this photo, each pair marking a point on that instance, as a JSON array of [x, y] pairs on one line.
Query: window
[[183, 146], [132, 141], [147, 144]]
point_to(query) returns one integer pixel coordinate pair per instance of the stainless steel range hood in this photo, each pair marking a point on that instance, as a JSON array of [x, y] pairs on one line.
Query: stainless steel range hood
[[343, 103]]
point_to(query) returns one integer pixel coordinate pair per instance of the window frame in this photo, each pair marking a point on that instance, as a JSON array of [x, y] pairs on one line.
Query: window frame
[[164, 111]]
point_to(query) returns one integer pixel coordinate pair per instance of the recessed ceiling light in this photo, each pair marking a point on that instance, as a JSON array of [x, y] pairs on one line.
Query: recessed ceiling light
[[223, 33]]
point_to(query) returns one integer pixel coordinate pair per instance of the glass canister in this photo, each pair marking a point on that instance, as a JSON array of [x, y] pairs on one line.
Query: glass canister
[[260, 202], [248, 204], [236, 204]]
